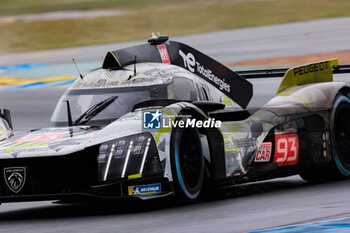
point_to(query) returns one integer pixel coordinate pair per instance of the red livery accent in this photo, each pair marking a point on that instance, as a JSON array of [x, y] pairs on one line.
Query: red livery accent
[[264, 152], [286, 149], [40, 137], [163, 52]]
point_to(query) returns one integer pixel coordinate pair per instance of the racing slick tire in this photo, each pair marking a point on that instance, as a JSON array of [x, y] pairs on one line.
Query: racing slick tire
[[340, 136], [340, 145], [187, 162]]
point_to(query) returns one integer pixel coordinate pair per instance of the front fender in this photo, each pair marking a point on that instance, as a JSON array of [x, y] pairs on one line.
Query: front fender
[[5, 124], [214, 137]]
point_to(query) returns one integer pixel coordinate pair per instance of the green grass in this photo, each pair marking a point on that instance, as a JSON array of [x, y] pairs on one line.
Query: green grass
[[168, 17], [17, 7]]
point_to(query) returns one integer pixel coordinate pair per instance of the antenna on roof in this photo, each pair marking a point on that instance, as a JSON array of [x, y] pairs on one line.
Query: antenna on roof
[[81, 76]]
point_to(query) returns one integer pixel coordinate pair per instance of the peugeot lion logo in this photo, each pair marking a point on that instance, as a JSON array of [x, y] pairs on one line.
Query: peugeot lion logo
[[15, 178]]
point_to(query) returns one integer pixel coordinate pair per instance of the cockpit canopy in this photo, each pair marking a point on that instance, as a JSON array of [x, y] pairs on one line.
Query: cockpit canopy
[[128, 89]]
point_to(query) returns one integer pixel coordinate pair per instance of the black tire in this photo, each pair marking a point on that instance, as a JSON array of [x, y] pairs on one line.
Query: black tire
[[339, 168], [187, 162], [340, 136]]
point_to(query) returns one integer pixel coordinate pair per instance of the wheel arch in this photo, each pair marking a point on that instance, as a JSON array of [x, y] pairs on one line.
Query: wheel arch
[[215, 162], [344, 90]]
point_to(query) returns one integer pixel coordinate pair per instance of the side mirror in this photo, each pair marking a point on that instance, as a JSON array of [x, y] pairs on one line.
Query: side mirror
[[5, 114]]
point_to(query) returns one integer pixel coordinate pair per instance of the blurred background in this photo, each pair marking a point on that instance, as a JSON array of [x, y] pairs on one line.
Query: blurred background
[[46, 24]]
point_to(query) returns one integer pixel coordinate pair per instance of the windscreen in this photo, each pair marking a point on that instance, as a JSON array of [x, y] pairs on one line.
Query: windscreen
[[82, 100], [120, 101]]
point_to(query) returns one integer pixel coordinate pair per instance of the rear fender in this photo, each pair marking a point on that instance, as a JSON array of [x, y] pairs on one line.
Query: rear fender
[[305, 99]]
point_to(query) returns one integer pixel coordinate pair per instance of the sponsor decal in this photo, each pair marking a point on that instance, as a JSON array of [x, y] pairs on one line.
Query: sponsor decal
[[287, 149], [194, 66], [15, 178], [47, 137], [153, 120], [163, 54], [310, 73], [144, 189], [264, 152], [301, 70]]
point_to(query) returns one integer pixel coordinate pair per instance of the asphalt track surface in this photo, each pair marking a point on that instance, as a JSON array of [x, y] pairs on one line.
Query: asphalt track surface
[[249, 207]]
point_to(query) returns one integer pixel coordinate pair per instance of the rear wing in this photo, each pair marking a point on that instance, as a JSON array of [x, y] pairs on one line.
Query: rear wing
[[280, 72], [160, 50], [310, 73]]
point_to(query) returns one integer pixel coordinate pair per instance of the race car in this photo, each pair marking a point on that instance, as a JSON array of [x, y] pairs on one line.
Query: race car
[[162, 119]]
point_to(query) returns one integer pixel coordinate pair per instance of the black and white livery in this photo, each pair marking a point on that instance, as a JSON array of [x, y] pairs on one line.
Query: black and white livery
[[162, 118]]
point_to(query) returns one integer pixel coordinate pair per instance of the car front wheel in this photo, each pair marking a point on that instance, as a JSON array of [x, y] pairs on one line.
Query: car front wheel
[[187, 163]]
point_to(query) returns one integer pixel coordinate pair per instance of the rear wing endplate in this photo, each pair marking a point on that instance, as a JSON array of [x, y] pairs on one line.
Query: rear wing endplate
[[310, 73]]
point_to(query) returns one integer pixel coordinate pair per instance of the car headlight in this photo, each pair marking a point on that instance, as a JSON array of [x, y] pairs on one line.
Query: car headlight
[[132, 156]]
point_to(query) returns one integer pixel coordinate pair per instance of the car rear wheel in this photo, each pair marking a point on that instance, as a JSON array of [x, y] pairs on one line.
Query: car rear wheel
[[340, 145], [340, 136], [187, 163]]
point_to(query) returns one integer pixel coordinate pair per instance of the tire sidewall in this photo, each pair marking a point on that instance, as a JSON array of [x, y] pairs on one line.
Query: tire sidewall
[[339, 102], [178, 178]]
